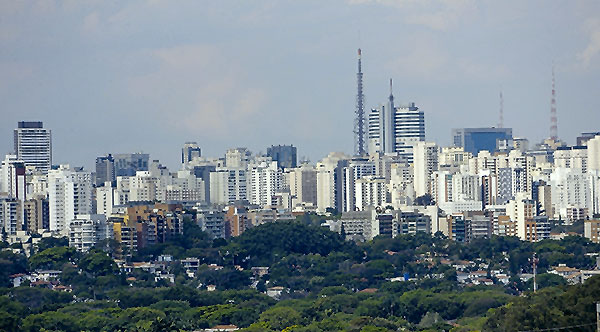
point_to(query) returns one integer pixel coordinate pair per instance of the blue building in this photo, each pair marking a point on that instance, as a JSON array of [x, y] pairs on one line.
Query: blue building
[[478, 139], [284, 155]]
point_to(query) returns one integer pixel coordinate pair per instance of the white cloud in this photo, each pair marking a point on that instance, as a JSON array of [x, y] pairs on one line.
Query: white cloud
[[592, 26], [198, 88], [436, 15]]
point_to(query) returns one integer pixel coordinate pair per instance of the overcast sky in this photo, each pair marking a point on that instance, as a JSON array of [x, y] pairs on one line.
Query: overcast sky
[[126, 76]]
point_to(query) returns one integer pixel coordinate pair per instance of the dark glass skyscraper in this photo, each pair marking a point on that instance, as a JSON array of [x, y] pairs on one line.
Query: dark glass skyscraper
[[478, 139], [284, 155]]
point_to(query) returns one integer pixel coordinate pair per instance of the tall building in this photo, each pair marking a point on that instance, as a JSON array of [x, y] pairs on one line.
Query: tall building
[[474, 140], [190, 151], [284, 155], [12, 177], [87, 230], [228, 185], [425, 163], [36, 214], [11, 218], [303, 184], [105, 170], [126, 164], [394, 129], [593, 154], [69, 195], [237, 157], [265, 179], [33, 144]]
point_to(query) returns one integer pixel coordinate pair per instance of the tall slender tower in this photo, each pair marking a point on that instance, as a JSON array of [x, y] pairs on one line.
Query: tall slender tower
[[359, 122], [553, 118]]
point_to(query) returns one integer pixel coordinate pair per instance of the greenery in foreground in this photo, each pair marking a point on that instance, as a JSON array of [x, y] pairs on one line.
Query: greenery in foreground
[[323, 277]]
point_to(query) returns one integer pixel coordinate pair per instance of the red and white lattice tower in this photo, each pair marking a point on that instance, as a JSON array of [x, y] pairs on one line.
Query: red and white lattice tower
[[553, 118]]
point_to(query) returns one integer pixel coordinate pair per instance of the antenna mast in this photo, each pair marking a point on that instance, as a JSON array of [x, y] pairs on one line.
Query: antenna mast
[[359, 121], [553, 118]]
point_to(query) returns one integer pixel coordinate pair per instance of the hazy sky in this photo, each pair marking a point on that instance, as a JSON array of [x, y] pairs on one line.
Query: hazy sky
[[126, 76]]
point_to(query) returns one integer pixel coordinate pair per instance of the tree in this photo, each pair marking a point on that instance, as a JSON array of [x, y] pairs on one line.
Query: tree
[[424, 200], [52, 258], [98, 263], [278, 318]]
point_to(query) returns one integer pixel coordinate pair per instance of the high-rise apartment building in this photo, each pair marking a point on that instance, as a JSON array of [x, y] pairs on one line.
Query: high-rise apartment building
[[474, 140], [36, 214], [33, 144], [105, 170], [12, 177], [425, 163], [394, 129], [284, 155], [69, 195]]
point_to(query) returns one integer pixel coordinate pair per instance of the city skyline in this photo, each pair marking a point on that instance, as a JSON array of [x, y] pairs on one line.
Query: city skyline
[[293, 85]]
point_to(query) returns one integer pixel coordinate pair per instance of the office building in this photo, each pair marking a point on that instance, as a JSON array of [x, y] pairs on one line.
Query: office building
[[127, 164], [394, 129], [105, 170], [190, 151], [474, 140], [33, 145], [284, 155]]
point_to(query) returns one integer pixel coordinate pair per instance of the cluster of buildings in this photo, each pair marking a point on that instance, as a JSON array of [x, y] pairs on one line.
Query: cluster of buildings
[[487, 182]]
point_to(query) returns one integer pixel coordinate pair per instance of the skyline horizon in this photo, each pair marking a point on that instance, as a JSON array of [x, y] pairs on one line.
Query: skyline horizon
[[148, 76]]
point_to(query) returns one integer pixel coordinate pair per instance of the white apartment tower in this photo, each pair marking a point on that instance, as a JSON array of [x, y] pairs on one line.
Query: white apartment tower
[[425, 163], [69, 195], [33, 145], [395, 129]]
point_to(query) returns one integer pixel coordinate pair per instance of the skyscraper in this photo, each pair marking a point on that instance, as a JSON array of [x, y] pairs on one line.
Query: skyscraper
[[394, 129], [33, 145], [190, 151], [474, 140], [284, 155], [126, 164], [105, 170]]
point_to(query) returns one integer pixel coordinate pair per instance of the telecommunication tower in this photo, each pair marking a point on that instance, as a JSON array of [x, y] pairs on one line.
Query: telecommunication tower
[[553, 118], [359, 121]]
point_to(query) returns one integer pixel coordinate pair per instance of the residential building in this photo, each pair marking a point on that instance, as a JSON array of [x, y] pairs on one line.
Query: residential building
[[85, 231], [69, 195], [425, 163]]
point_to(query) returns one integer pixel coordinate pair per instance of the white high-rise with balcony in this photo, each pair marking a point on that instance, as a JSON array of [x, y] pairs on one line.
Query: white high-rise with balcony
[[69, 195]]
